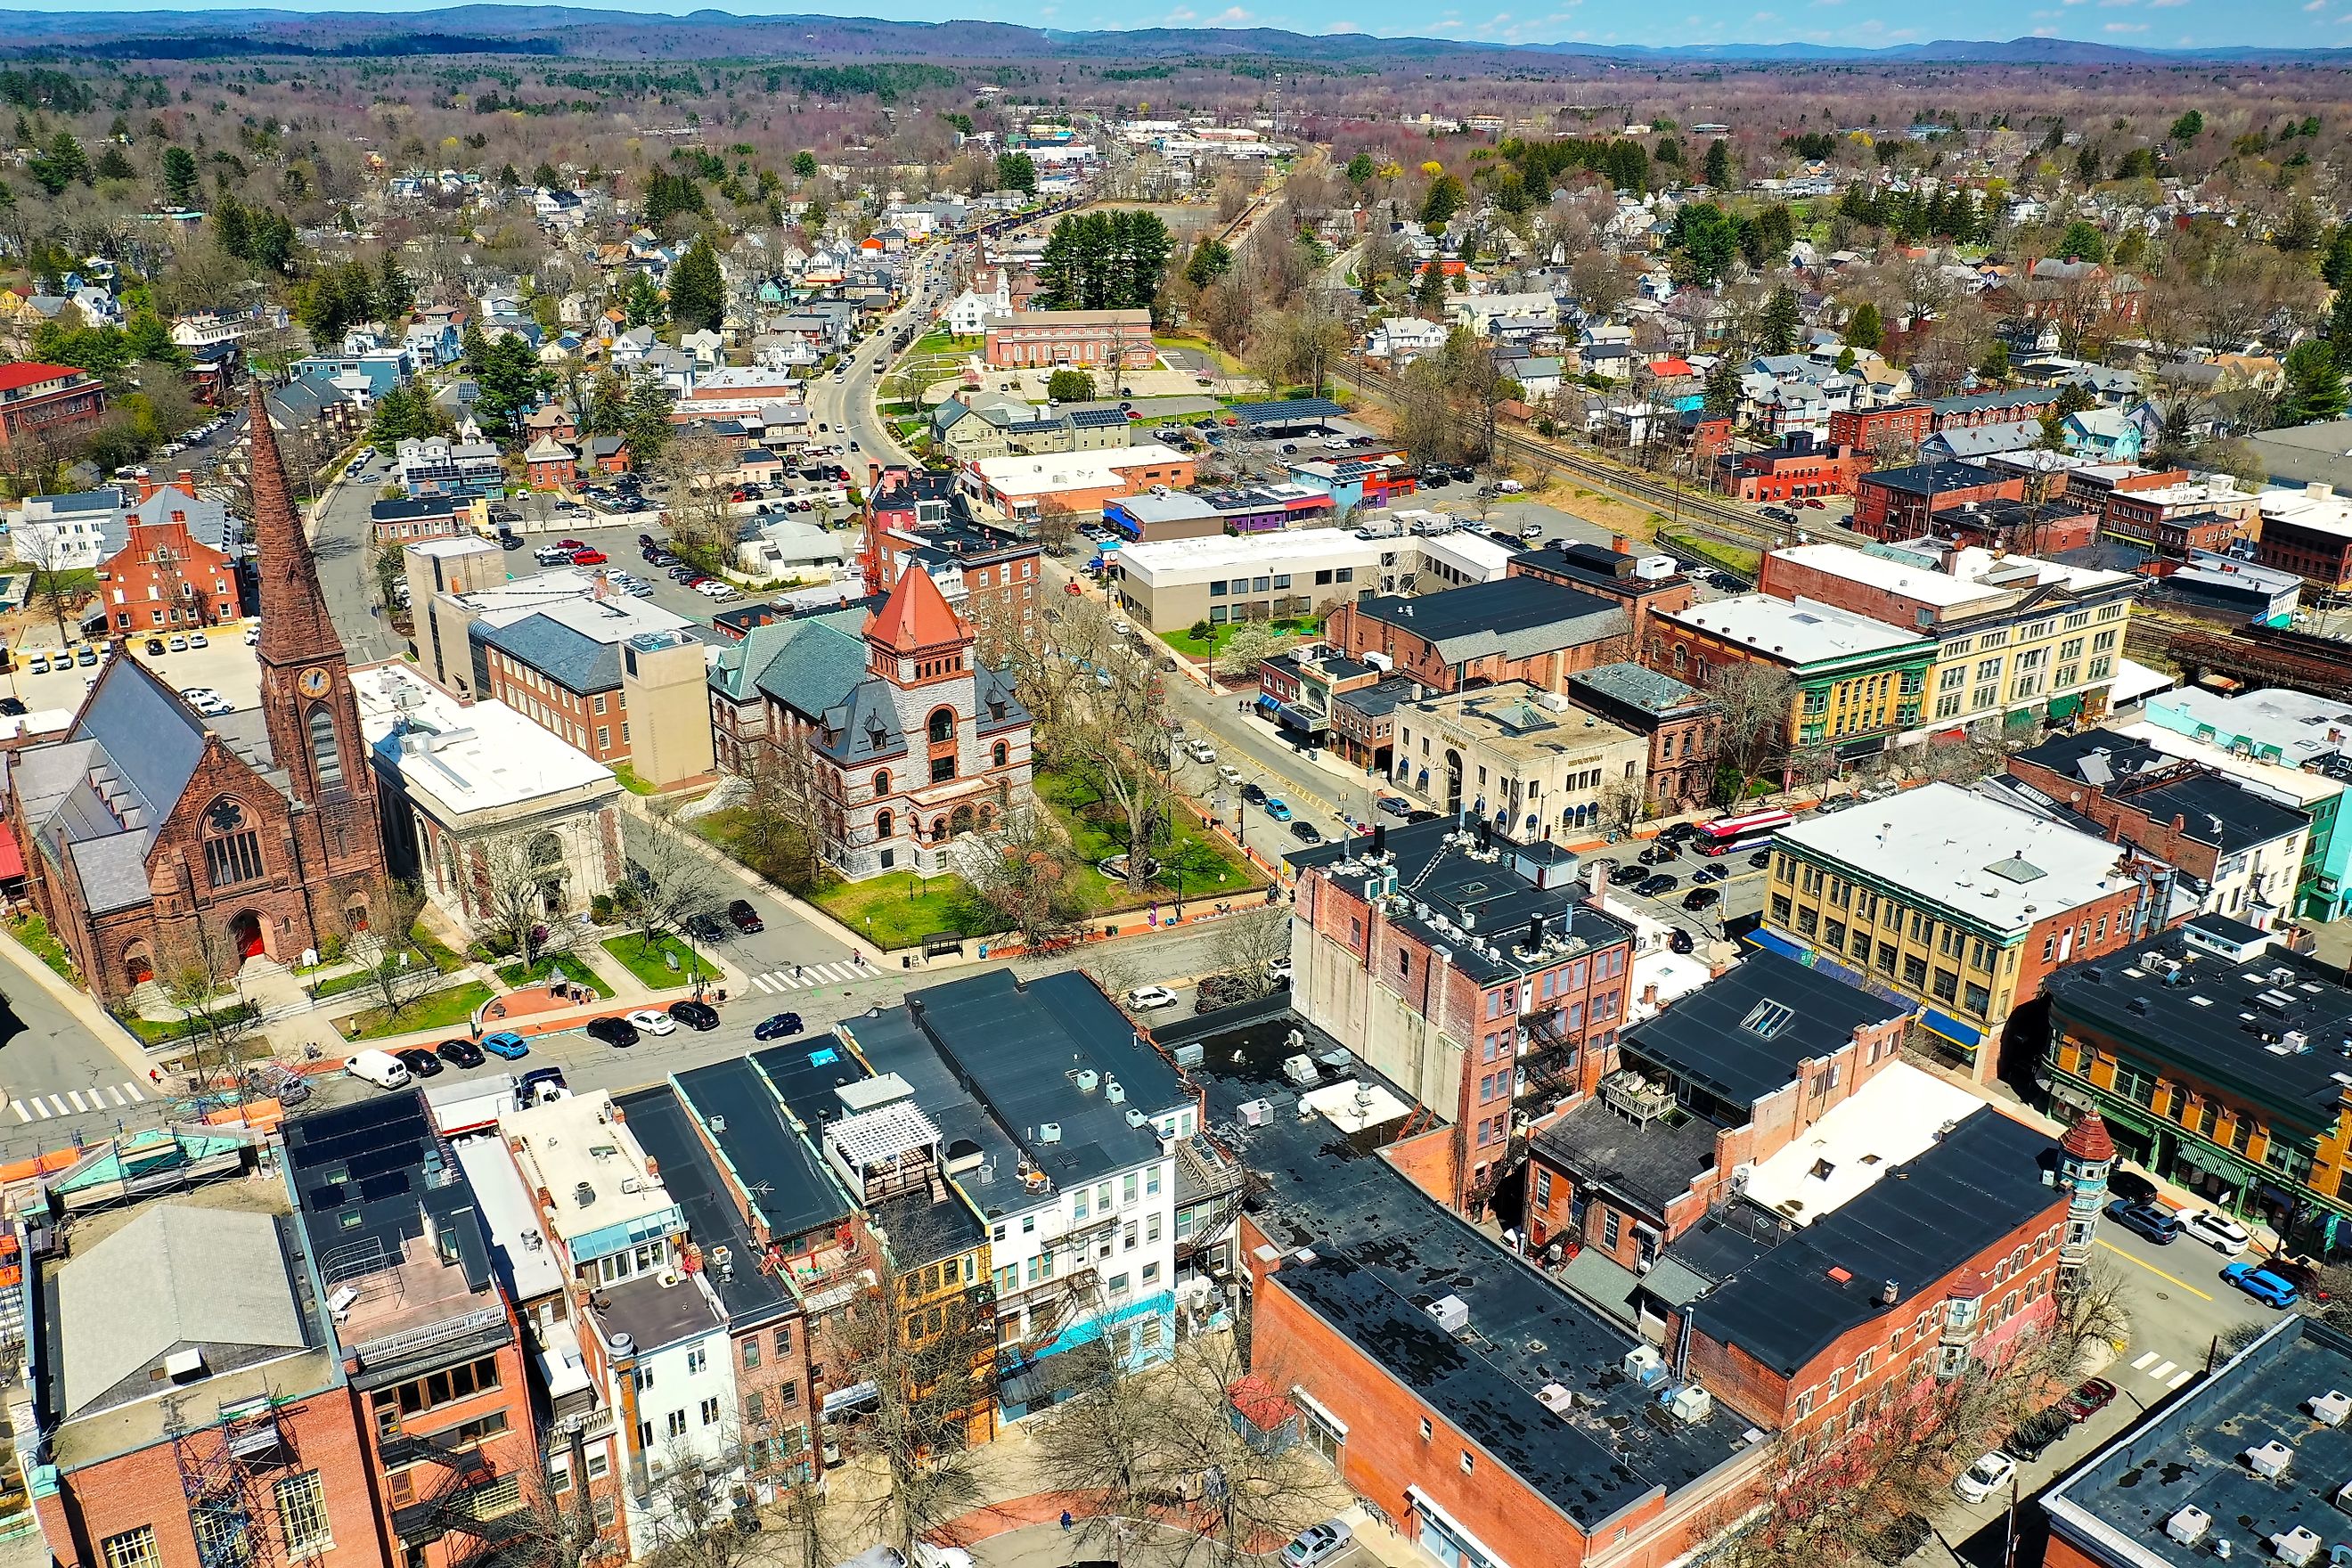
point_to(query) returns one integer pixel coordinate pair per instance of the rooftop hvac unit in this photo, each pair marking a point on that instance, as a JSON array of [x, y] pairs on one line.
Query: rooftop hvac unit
[[1554, 1398], [1645, 1365], [1049, 1132], [2329, 1409], [1256, 1112], [2189, 1526], [1136, 1118], [1689, 1404], [2270, 1461], [1190, 1055], [1114, 1091], [1301, 1070], [1451, 1312], [2298, 1547], [1088, 1080]]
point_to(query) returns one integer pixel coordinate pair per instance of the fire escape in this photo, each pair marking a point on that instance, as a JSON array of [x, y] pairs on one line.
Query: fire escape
[[467, 1497], [225, 1475], [1547, 1058]]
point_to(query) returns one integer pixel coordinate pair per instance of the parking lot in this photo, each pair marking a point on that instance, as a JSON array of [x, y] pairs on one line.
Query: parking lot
[[224, 664]]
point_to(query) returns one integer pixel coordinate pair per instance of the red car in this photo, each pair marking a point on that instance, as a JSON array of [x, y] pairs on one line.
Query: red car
[[1072, 588], [572, 544], [589, 557], [2087, 1400]]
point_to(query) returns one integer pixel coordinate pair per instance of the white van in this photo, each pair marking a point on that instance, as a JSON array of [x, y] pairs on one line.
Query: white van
[[381, 1068]]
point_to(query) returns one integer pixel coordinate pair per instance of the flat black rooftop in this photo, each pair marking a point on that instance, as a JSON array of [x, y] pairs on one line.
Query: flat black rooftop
[[1449, 877], [372, 1171], [1741, 1035], [1911, 1228], [1518, 616], [1647, 1165], [2169, 1002], [891, 1042], [1384, 1252], [664, 1128], [2192, 1453], [774, 1163], [1932, 478]]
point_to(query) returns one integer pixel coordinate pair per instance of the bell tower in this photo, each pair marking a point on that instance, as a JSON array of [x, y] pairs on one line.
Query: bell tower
[[2085, 1157], [306, 684]]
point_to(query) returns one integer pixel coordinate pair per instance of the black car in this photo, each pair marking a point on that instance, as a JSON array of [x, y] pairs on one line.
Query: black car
[[2155, 1222], [13, 707], [155, 644], [704, 928], [778, 1027], [1255, 793], [460, 1053], [1307, 833], [1658, 854], [699, 1016], [1655, 887], [1713, 871], [2034, 1436], [1701, 898], [1681, 941], [1761, 860], [745, 916], [509, 542], [420, 1062], [1678, 832], [612, 1031]]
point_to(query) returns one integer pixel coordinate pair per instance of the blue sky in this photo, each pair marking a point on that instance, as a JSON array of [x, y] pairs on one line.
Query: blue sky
[[2147, 24]]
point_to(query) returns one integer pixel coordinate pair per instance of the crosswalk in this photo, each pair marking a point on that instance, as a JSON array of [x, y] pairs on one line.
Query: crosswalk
[[2164, 1372], [76, 1102], [795, 978]]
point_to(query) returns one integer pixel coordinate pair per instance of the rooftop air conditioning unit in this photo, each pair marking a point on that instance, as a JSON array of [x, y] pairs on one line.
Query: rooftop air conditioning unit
[[1301, 1070], [1088, 1080], [1049, 1132], [2189, 1525], [1114, 1091], [1451, 1312], [1689, 1404], [2270, 1461], [1645, 1365], [2298, 1547], [2329, 1409], [1256, 1112], [1190, 1055]]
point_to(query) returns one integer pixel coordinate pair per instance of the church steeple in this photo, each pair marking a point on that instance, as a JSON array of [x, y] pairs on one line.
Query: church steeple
[[306, 684]]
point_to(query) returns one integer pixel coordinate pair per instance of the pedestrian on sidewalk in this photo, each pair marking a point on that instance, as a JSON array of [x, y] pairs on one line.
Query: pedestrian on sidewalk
[[1066, 1521]]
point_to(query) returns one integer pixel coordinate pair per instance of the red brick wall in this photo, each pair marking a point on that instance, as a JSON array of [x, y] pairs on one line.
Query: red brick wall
[[1355, 633], [2114, 908], [1863, 427], [2322, 558], [1886, 513], [516, 1453], [127, 577]]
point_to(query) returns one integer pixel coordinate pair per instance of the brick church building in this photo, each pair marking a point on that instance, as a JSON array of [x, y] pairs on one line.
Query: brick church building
[[157, 839]]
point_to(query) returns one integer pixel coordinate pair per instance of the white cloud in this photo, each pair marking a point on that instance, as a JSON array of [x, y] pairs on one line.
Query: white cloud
[[1232, 17], [1344, 27]]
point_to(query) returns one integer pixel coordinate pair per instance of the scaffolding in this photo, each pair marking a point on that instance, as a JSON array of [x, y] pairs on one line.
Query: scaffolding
[[222, 1464]]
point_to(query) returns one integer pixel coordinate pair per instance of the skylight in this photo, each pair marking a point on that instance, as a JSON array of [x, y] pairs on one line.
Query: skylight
[[1767, 1019]]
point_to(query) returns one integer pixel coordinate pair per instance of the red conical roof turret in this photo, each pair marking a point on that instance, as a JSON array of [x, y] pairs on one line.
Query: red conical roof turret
[[2088, 1140]]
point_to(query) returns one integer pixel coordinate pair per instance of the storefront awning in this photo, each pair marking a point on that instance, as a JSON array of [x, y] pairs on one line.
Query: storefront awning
[[1951, 1028], [2066, 706], [2196, 1159]]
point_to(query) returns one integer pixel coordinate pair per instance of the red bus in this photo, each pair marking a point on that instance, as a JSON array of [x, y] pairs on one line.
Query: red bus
[[1727, 835]]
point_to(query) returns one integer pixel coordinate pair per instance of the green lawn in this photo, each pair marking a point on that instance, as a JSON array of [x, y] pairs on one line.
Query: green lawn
[[649, 961], [1747, 562], [629, 780], [1184, 642], [165, 1031], [557, 967], [42, 942], [441, 1010], [901, 909], [1210, 867]]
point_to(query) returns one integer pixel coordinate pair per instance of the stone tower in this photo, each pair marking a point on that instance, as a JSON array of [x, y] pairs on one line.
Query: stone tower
[[306, 695], [2085, 1155]]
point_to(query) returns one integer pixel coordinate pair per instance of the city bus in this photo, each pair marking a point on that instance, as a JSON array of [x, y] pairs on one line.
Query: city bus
[[1729, 835]]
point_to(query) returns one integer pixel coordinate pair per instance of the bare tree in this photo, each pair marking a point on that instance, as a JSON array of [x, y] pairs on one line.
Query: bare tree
[[54, 587], [698, 1521], [1058, 525], [556, 1529], [699, 515], [1620, 805], [1247, 946], [1756, 701], [1021, 868], [199, 977], [519, 888], [779, 809], [394, 971], [672, 887]]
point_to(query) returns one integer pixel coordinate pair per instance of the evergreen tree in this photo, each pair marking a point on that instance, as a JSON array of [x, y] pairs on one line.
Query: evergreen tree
[[1016, 171], [546, 177], [1866, 331], [1445, 199], [1718, 164], [179, 176], [2313, 388], [2340, 329], [1776, 333], [113, 165], [606, 411], [2081, 242], [1429, 293], [1722, 395], [697, 292], [2336, 267], [512, 382], [1708, 239], [647, 422], [475, 347], [1361, 169], [641, 302], [1210, 261], [62, 164], [805, 166], [395, 295]]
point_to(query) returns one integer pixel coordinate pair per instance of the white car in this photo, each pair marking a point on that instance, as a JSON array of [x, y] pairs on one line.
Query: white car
[[1508, 487], [1231, 775], [1144, 998], [2217, 1231], [1318, 1544], [198, 639], [650, 1022], [381, 1068], [1201, 751], [1119, 625], [1531, 531], [252, 636], [1986, 1477]]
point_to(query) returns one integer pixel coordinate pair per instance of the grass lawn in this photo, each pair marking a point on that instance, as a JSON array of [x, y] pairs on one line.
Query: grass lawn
[[629, 780], [34, 931], [1184, 642], [441, 1010], [901, 909], [557, 967], [649, 960], [1747, 562], [166, 1031], [1097, 832]]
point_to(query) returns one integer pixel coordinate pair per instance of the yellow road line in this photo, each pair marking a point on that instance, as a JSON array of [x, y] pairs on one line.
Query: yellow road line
[[2160, 1273]]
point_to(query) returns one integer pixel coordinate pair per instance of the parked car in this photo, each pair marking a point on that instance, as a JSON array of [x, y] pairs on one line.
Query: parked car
[[155, 644], [612, 1031], [699, 1016], [1318, 1544], [2262, 1285], [2088, 1398], [1277, 808], [1255, 793], [1394, 804], [2217, 1231], [381, 1068], [460, 1053], [1658, 854], [778, 1026], [541, 1085], [2035, 1436], [646, 1021], [280, 1083], [1307, 833], [1201, 751], [2305, 1277], [505, 1044], [2153, 1221], [1146, 998], [12, 707], [420, 1062], [1986, 1477], [1761, 860], [745, 916]]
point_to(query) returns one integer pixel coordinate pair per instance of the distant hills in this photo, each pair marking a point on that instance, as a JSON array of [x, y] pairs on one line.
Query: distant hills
[[585, 33]]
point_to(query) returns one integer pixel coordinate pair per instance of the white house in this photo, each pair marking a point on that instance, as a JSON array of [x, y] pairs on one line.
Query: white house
[[968, 313]]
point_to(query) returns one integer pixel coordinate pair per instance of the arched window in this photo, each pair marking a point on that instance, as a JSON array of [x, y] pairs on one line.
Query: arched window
[[943, 725], [326, 754], [232, 845], [1000, 754], [885, 824], [882, 781]]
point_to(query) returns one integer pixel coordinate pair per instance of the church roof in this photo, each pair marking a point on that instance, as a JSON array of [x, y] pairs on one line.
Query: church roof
[[914, 617], [867, 720], [811, 664]]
